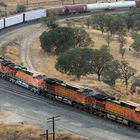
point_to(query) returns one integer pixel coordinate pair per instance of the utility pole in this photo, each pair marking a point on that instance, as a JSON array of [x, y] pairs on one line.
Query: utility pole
[[53, 119], [47, 138]]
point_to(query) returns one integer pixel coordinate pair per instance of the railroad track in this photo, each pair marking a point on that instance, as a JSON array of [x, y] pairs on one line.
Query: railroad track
[[25, 93]]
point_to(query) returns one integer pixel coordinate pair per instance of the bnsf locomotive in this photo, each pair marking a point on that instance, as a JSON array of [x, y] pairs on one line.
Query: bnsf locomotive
[[78, 96]]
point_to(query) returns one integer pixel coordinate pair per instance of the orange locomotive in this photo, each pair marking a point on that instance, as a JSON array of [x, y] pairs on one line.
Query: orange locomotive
[[89, 99], [126, 110], [20, 75], [78, 96]]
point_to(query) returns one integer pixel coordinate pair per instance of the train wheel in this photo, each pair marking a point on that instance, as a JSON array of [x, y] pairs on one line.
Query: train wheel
[[105, 115], [133, 125]]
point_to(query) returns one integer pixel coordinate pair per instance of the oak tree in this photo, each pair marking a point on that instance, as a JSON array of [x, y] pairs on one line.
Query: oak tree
[[111, 74], [75, 62], [50, 20], [126, 71], [136, 43], [101, 60], [60, 39]]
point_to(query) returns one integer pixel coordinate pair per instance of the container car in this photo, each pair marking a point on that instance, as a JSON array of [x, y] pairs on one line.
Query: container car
[[13, 20], [35, 14], [1, 23]]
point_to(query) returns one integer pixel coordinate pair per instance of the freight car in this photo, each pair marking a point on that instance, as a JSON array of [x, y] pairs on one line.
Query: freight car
[[64, 10], [113, 5], [80, 97]]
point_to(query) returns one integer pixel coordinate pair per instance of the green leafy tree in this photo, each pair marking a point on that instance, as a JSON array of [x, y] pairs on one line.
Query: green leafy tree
[[20, 8], [122, 51], [120, 25], [57, 40], [50, 20], [135, 84], [81, 37], [129, 22], [122, 41], [61, 39], [110, 24], [111, 74], [99, 22], [2, 4], [133, 19], [75, 62], [126, 71], [101, 60], [88, 22], [136, 43], [115, 24], [137, 25], [108, 39]]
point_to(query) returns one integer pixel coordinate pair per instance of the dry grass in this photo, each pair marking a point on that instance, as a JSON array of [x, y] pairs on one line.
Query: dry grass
[[32, 132], [12, 130], [69, 136], [19, 132], [13, 53], [9, 117]]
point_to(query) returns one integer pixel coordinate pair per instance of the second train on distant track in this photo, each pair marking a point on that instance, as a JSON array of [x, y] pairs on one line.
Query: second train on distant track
[[64, 10]]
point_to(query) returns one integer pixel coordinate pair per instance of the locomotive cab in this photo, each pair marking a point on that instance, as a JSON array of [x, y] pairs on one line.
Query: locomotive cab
[[137, 110], [137, 115]]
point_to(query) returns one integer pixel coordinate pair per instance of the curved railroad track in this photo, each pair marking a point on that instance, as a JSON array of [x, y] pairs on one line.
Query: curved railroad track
[[26, 45]]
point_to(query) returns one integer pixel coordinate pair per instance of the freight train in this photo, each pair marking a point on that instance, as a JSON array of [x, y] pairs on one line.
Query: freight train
[[81, 97], [64, 10]]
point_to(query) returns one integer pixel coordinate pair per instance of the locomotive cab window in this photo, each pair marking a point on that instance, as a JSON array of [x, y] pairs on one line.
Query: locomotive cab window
[[137, 110]]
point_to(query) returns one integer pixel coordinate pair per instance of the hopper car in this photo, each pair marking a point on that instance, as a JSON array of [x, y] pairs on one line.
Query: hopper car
[[80, 97], [64, 10]]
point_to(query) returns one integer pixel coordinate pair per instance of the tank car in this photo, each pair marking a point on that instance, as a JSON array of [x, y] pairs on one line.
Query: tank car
[[112, 5], [72, 9], [57, 10]]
